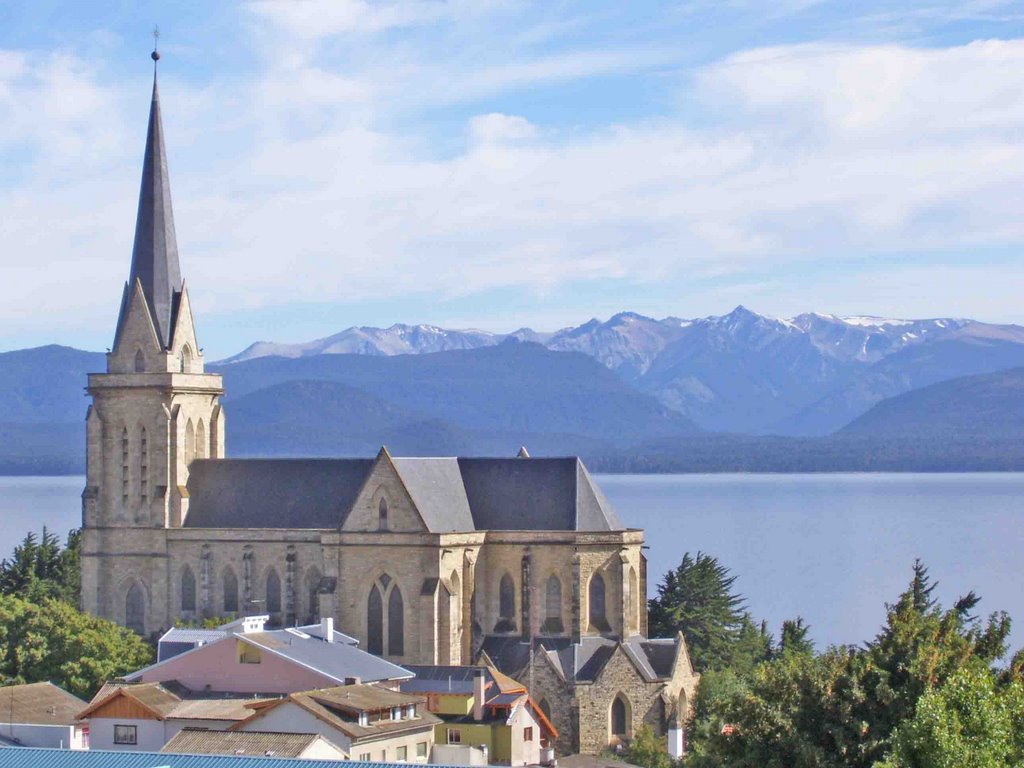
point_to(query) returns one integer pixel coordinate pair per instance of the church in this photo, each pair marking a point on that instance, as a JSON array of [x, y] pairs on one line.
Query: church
[[518, 562]]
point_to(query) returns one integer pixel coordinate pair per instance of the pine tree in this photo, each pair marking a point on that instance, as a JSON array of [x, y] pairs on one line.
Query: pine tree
[[697, 599], [794, 637]]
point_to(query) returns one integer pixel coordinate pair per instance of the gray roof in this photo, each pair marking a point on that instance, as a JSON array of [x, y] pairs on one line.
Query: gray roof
[[451, 494], [444, 679], [339, 660], [273, 493], [155, 253], [584, 661], [261, 743]]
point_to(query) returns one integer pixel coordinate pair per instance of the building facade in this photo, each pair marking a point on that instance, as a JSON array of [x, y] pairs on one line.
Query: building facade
[[422, 560]]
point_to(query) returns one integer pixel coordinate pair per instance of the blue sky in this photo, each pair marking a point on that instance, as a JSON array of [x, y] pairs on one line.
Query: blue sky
[[499, 164]]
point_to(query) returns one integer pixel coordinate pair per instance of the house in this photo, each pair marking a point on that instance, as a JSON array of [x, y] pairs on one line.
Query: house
[[63, 758], [300, 746], [140, 717], [369, 723], [248, 658], [40, 715], [482, 708]]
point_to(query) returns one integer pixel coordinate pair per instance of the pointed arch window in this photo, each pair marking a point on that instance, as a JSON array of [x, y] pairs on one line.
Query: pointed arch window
[[186, 359], [135, 609], [506, 605], [375, 622], [188, 589], [273, 592], [633, 601], [200, 440], [384, 625], [596, 603], [143, 466], [230, 585], [619, 718], [140, 362], [124, 466], [396, 623], [190, 442], [382, 514], [553, 606]]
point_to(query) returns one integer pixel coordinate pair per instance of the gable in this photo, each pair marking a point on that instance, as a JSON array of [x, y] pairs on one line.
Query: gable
[[185, 331], [135, 332], [384, 482]]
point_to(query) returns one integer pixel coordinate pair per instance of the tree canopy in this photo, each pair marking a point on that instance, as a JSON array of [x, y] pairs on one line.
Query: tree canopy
[[41, 568]]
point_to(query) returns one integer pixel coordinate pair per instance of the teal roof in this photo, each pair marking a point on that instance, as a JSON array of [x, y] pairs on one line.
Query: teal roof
[[29, 757]]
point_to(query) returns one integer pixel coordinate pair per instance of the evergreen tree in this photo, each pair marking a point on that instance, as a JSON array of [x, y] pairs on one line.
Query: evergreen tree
[[794, 637], [921, 588], [697, 599], [41, 568]]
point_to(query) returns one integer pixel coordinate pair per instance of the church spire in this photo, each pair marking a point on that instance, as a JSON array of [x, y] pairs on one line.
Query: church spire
[[155, 253]]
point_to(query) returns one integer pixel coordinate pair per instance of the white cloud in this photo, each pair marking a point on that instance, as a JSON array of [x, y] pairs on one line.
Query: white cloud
[[310, 189]]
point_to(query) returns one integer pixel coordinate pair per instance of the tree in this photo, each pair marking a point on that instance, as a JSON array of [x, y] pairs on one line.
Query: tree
[[969, 722], [41, 568], [697, 600], [54, 641], [794, 637], [647, 750]]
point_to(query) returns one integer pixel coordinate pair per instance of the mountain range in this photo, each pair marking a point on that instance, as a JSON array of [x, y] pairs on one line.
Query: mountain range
[[736, 392], [741, 372]]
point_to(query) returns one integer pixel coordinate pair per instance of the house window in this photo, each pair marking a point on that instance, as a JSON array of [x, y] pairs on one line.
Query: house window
[[364, 720], [401, 754], [396, 713], [421, 749], [528, 734], [454, 736], [383, 755], [126, 734], [248, 654], [410, 711], [364, 756]]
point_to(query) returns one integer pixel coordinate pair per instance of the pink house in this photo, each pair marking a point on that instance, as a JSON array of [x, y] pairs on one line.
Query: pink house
[[246, 658]]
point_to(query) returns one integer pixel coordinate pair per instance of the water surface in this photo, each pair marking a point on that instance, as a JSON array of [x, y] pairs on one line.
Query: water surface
[[832, 548]]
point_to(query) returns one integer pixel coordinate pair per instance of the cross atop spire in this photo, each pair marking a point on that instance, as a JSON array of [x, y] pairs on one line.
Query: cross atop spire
[[155, 253]]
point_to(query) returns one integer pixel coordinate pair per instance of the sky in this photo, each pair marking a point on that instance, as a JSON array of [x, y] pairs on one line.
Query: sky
[[498, 164]]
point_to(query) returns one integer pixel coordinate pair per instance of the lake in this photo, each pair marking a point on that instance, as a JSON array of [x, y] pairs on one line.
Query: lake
[[832, 548]]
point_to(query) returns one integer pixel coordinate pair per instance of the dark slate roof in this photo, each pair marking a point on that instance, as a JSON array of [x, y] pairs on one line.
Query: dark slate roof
[[155, 253], [534, 494], [273, 493], [584, 661], [437, 490], [451, 494], [443, 679]]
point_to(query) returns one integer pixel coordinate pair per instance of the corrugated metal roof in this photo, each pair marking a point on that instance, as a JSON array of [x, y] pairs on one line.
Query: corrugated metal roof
[[28, 757]]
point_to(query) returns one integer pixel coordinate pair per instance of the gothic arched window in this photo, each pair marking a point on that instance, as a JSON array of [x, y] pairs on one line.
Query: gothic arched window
[[506, 605], [619, 719], [143, 467], [140, 362], [188, 589], [186, 359], [598, 616], [382, 514], [200, 440], [375, 622], [545, 707], [273, 592], [230, 583], [396, 623], [633, 600], [552, 605], [135, 609], [190, 442]]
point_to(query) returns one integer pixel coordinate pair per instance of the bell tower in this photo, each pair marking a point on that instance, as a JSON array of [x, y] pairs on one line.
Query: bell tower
[[153, 412]]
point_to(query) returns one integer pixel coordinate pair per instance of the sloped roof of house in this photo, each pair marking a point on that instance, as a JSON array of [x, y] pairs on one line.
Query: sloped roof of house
[[260, 743], [458, 679], [337, 708], [38, 704], [177, 704], [340, 660], [28, 757], [451, 494]]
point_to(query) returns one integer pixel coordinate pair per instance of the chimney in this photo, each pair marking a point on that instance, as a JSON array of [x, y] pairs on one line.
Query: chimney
[[327, 628], [479, 686]]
